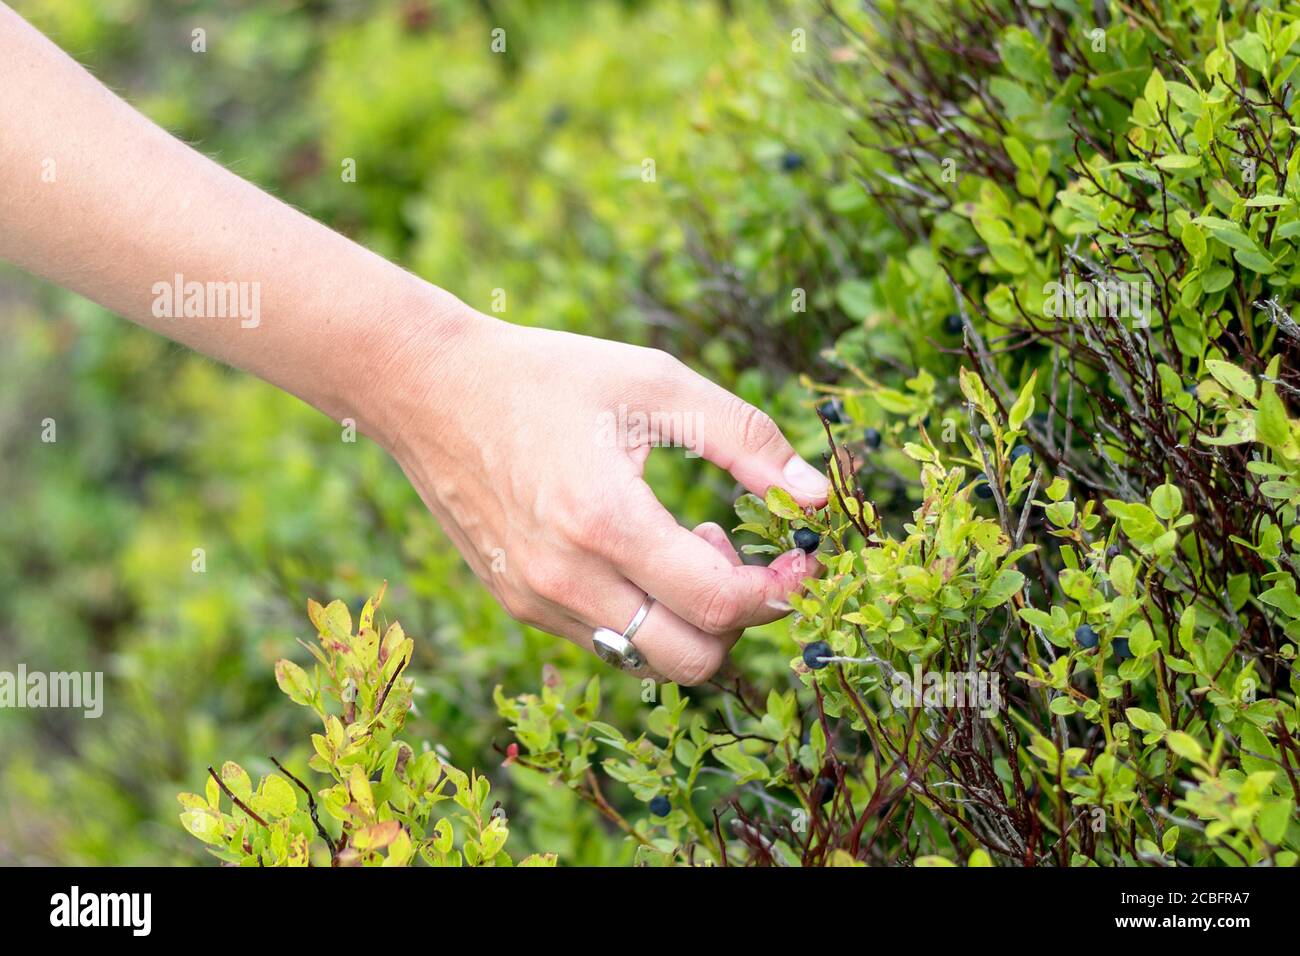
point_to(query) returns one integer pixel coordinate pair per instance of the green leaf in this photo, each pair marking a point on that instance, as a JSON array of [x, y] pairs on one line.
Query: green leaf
[[854, 297], [1272, 425], [277, 797], [1169, 841], [359, 788], [293, 680], [751, 510], [781, 504], [1122, 574], [1194, 241], [1008, 582], [1167, 502], [1273, 819], [204, 824], [1185, 745], [1228, 233], [1176, 161], [236, 780], [1024, 405], [746, 767], [1232, 378], [1145, 720], [1250, 49], [1155, 92], [334, 620]]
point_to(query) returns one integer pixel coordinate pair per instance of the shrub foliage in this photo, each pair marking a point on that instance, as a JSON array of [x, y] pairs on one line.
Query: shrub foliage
[[1083, 454]]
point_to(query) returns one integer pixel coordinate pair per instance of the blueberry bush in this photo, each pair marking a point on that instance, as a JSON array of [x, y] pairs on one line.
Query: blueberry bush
[[1059, 424], [382, 808]]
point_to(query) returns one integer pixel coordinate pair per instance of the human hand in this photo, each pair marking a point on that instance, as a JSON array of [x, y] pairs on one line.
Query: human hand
[[527, 447]]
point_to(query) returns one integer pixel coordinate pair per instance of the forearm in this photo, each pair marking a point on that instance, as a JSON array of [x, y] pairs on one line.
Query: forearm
[[98, 199]]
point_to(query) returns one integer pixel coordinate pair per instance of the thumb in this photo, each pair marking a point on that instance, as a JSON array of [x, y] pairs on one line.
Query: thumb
[[746, 442]]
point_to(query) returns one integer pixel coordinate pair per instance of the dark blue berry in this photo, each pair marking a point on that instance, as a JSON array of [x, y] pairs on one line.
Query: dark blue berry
[[1020, 451], [831, 411], [661, 806], [791, 162], [824, 790], [806, 539], [871, 438], [953, 324], [983, 489], [814, 652], [1113, 551], [1120, 647], [1086, 637]]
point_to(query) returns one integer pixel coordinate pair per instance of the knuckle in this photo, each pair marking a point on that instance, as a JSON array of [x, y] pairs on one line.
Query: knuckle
[[548, 582], [662, 363], [594, 528], [697, 665], [719, 611], [519, 606], [754, 427]]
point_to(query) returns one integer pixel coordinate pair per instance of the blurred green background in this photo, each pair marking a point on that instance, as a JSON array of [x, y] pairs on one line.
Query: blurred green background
[[519, 171]]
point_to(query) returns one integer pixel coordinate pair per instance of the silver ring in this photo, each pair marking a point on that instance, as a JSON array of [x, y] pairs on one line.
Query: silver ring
[[616, 649]]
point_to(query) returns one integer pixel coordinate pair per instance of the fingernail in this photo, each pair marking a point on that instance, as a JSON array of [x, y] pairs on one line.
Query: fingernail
[[805, 479]]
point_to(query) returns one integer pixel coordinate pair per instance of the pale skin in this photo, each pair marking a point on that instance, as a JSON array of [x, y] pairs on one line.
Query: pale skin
[[495, 425]]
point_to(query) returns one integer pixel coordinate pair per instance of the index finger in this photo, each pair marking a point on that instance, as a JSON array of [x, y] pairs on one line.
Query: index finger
[[693, 579]]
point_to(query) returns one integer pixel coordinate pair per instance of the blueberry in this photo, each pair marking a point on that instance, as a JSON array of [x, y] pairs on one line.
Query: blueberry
[[1113, 551], [1120, 647], [791, 162], [831, 411], [953, 324], [806, 539], [871, 438], [661, 806], [1086, 637], [814, 652], [1020, 451], [823, 790], [983, 489]]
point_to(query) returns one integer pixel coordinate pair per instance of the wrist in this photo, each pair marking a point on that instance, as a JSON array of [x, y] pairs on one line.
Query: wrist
[[418, 364]]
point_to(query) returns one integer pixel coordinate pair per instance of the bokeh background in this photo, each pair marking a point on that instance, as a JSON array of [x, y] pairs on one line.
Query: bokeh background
[[519, 171]]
